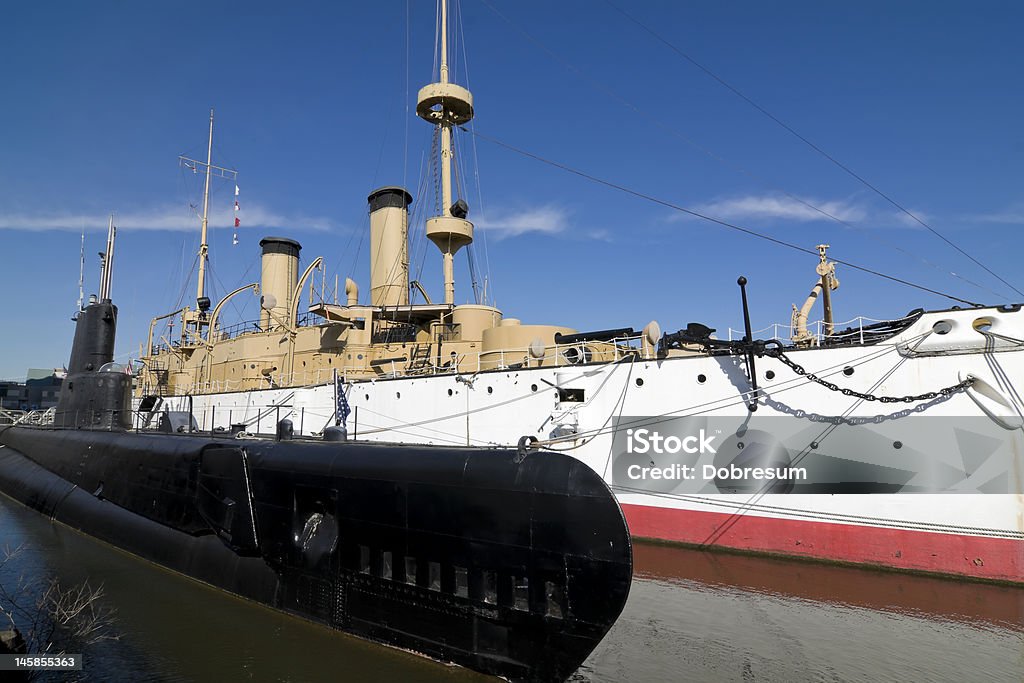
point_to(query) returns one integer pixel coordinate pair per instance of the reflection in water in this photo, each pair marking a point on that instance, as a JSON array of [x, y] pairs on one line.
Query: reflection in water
[[697, 616], [691, 616]]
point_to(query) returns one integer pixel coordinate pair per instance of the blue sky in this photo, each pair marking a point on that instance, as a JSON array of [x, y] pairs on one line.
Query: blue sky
[[314, 108]]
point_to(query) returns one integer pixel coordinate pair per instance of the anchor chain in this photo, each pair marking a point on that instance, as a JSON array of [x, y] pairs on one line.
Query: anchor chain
[[800, 370]]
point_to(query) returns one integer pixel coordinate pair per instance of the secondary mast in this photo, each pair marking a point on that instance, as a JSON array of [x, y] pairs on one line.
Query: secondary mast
[[203, 247], [444, 105], [194, 321]]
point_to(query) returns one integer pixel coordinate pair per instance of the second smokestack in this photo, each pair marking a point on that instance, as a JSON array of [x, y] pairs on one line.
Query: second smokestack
[[389, 246]]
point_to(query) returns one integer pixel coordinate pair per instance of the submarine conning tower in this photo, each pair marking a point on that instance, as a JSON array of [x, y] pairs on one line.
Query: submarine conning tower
[[279, 275], [97, 392], [389, 246]]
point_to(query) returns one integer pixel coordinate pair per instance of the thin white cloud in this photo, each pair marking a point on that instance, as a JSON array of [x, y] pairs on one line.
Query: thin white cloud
[[902, 219], [1014, 215], [775, 207], [548, 220], [164, 218]]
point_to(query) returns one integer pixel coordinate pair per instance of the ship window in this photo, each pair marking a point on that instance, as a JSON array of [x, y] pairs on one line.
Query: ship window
[[570, 395], [461, 582], [364, 559], [554, 599], [410, 569], [521, 592], [386, 563], [490, 587], [435, 576]]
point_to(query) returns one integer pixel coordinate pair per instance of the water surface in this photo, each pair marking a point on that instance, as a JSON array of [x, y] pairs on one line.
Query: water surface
[[691, 616]]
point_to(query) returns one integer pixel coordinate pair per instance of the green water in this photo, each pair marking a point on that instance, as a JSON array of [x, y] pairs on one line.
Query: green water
[[690, 617]]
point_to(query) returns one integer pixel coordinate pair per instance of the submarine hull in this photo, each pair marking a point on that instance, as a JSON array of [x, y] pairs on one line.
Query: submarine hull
[[510, 565]]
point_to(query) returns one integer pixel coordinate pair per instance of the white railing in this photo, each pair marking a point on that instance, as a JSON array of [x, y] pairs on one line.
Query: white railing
[[784, 332], [10, 417], [28, 417]]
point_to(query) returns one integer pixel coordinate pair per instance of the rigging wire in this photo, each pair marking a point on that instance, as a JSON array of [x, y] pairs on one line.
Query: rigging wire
[[419, 246], [460, 186], [711, 219], [408, 96], [809, 143], [599, 85]]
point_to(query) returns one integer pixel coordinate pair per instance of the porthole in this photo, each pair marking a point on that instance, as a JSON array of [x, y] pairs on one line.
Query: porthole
[[490, 390], [359, 356], [367, 397], [450, 392], [897, 444], [770, 374], [398, 394], [943, 327], [848, 371], [701, 379], [983, 325], [533, 387], [639, 381]]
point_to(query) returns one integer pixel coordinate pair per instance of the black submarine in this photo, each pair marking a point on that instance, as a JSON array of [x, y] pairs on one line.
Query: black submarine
[[512, 562]]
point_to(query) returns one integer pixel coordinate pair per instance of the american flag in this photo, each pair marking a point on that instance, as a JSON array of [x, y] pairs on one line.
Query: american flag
[[342, 409]]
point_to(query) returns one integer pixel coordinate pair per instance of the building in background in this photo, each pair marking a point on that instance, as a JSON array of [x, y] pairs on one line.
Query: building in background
[[39, 391]]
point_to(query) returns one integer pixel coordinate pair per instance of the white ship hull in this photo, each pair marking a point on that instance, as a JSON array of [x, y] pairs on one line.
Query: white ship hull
[[942, 477]]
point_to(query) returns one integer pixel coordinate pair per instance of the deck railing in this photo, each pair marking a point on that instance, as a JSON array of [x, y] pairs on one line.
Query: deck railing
[[784, 332]]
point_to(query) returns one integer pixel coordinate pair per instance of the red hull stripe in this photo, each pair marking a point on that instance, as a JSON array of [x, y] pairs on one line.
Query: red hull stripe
[[975, 556]]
